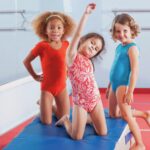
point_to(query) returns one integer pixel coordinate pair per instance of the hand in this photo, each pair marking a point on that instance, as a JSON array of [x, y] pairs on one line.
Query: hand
[[89, 8], [128, 98], [39, 78]]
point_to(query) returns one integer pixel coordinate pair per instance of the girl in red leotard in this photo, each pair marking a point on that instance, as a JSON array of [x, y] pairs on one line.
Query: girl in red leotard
[[52, 28]]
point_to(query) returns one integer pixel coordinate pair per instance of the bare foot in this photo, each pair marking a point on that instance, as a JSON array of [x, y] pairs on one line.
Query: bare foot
[[133, 146], [61, 121], [147, 119], [137, 147]]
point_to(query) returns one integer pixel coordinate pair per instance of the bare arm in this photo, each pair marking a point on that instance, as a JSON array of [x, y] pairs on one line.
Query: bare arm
[[72, 50], [133, 56], [27, 62]]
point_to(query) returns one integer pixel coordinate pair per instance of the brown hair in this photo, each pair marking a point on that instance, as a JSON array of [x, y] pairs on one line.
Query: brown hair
[[125, 19], [40, 23], [92, 35]]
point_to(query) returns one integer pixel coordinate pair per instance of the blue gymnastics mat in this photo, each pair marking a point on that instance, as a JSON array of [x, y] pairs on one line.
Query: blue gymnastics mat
[[37, 136]]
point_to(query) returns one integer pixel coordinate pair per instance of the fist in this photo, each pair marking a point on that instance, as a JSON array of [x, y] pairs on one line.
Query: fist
[[90, 7]]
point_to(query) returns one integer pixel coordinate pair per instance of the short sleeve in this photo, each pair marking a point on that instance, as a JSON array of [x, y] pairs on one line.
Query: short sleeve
[[36, 51], [66, 43]]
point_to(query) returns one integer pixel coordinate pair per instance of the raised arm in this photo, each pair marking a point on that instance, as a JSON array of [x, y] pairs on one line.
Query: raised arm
[[72, 50]]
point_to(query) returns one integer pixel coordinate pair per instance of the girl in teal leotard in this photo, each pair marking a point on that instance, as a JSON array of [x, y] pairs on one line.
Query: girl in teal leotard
[[123, 76]]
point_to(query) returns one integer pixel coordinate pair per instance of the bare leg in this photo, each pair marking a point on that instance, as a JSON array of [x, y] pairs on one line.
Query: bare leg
[[142, 114], [98, 119], [62, 106], [114, 110], [77, 127], [127, 115], [46, 107]]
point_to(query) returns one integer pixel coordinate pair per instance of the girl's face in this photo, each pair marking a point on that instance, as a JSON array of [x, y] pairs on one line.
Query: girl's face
[[123, 33], [55, 30], [90, 47]]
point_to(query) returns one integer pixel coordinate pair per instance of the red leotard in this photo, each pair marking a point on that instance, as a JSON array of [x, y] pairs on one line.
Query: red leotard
[[53, 66]]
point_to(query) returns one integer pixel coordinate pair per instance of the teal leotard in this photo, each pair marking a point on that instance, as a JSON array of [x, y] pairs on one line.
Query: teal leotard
[[120, 70]]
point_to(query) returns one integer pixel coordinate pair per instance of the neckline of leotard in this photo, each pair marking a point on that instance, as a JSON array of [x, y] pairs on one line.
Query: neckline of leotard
[[127, 44], [53, 48]]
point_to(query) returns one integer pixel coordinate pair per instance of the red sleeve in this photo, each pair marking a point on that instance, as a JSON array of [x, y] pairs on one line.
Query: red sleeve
[[67, 43], [36, 51]]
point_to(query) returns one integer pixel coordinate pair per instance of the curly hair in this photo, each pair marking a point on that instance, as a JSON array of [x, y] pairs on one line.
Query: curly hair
[[125, 19], [40, 23]]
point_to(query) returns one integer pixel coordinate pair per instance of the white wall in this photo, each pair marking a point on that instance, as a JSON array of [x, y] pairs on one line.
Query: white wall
[[16, 45], [18, 102]]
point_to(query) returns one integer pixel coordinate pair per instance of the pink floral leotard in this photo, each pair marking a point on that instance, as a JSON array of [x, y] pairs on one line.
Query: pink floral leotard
[[85, 90]]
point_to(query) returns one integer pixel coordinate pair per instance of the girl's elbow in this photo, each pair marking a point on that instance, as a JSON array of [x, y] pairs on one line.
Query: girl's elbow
[[25, 62]]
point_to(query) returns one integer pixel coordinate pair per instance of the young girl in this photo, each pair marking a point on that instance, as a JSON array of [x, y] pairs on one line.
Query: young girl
[[123, 76], [52, 28], [86, 95]]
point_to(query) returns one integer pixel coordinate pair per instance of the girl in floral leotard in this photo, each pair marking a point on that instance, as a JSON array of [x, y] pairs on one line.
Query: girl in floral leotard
[[86, 96]]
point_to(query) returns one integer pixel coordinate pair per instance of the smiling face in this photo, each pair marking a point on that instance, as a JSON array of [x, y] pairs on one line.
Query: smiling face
[[123, 33], [55, 30], [90, 47]]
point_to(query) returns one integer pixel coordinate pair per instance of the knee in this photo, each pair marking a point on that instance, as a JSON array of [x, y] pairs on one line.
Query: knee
[[102, 132], [77, 136], [46, 121], [112, 115], [115, 115]]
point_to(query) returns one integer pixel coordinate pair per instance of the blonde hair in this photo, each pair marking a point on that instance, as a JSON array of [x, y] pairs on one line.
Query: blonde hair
[[40, 23], [125, 19]]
